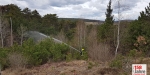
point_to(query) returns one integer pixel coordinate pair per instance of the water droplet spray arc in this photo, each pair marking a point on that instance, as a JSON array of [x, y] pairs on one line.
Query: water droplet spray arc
[[37, 36]]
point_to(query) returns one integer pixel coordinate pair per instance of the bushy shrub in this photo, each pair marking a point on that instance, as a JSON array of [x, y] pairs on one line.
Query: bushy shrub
[[122, 63], [90, 65], [69, 57], [36, 53], [117, 62], [77, 55], [59, 51], [85, 55], [17, 60], [40, 53], [3, 57]]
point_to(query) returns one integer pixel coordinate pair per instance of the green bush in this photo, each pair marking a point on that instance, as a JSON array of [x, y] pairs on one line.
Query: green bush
[[90, 65], [69, 57], [59, 52], [40, 53], [117, 62], [85, 55], [3, 57], [132, 53], [36, 53]]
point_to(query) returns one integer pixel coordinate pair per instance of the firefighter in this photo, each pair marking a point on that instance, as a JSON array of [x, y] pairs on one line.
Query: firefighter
[[82, 51]]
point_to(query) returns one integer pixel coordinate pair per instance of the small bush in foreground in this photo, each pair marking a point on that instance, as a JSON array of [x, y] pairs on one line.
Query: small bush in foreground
[[117, 62], [3, 58], [17, 60]]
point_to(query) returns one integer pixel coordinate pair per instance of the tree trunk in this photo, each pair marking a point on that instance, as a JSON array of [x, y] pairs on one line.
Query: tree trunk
[[21, 37], [118, 29], [0, 69], [11, 44], [2, 41], [1, 33]]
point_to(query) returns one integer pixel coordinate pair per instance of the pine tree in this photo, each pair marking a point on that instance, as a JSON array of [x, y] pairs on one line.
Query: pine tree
[[145, 15], [109, 17], [105, 30], [140, 28]]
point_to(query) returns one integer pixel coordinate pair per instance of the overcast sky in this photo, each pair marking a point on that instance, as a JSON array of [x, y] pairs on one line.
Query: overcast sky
[[89, 9]]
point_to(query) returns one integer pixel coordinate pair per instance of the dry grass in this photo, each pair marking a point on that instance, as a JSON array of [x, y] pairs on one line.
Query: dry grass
[[77, 67], [108, 71], [17, 60], [92, 23], [97, 51]]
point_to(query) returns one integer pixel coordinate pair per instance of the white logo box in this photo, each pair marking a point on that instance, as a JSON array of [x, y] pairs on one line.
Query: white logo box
[[139, 69]]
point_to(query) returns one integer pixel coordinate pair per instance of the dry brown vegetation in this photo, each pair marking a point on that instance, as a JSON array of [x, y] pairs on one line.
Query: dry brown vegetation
[[97, 51], [86, 36], [17, 60], [77, 67]]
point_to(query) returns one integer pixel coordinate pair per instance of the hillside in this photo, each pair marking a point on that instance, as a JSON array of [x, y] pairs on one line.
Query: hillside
[[85, 20], [91, 20]]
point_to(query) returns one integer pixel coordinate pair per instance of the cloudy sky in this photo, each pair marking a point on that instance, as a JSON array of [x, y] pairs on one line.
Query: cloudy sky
[[90, 9]]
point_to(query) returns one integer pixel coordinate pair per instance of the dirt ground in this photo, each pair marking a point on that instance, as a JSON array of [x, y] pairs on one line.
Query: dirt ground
[[76, 67]]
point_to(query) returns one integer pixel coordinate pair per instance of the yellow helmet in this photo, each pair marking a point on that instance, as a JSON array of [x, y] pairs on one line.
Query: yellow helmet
[[82, 49]]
